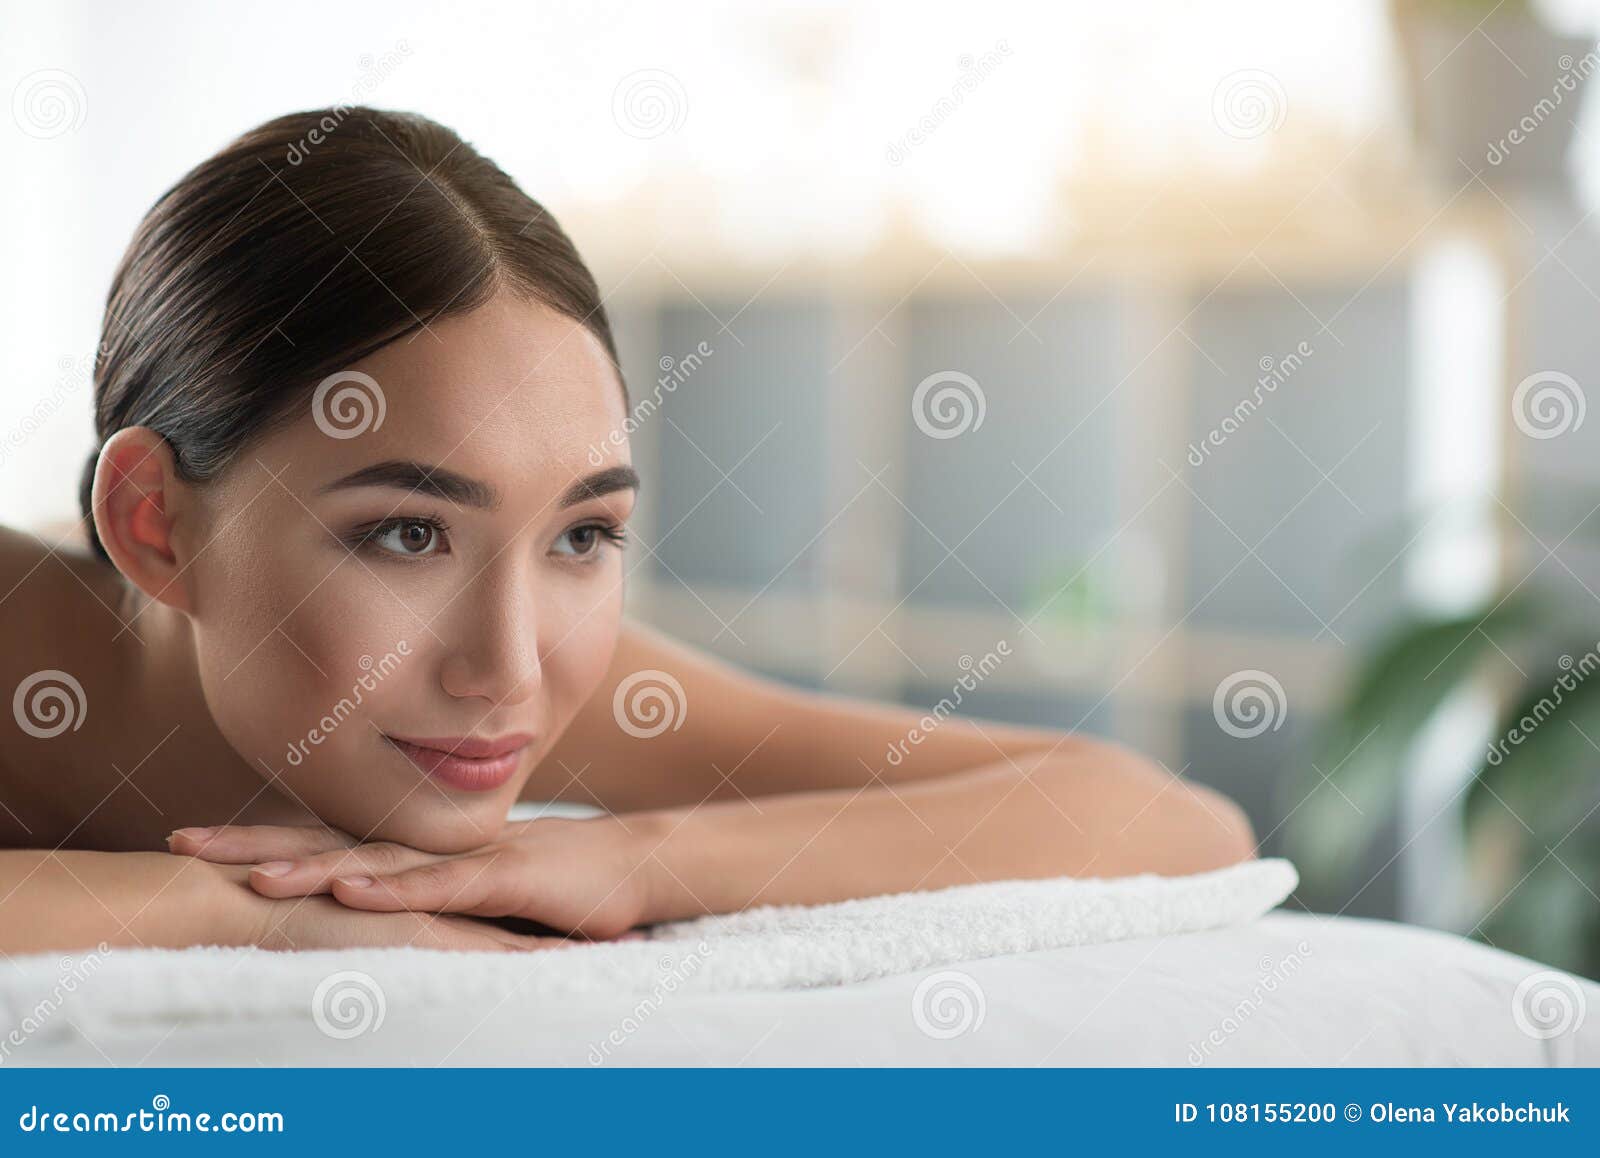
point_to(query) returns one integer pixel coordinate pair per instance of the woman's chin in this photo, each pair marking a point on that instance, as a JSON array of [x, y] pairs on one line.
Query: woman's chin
[[443, 829]]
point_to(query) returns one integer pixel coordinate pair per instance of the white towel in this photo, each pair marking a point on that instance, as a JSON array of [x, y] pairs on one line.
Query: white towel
[[770, 948]]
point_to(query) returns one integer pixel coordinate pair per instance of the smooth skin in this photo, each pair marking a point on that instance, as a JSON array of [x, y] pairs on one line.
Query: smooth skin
[[242, 610]]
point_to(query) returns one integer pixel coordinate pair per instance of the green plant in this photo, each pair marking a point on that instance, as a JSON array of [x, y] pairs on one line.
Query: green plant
[[1531, 829]]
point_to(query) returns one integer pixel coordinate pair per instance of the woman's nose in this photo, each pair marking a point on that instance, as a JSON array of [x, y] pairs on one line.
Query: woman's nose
[[492, 643]]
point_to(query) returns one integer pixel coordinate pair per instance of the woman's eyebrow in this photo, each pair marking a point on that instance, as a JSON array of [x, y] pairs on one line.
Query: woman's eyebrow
[[601, 482], [463, 491], [416, 477]]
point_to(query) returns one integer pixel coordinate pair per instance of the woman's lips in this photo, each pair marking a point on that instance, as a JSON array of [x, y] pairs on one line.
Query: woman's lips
[[465, 762]]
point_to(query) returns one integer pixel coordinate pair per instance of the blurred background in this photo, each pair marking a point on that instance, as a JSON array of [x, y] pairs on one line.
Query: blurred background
[[1218, 371]]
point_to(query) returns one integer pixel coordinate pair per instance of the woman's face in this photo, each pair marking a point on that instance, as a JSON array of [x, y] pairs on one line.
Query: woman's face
[[355, 614]]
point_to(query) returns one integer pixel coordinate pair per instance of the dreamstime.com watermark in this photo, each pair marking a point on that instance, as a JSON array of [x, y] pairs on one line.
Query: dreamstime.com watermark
[[76, 373], [1574, 673], [649, 103], [648, 703], [974, 71], [347, 404], [348, 1004], [1548, 404], [977, 670], [1273, 975], [1249, 103], [673, 974], [674, 373], [49, 702], [1572, 72], [374, 673], [49, 103], [947, 404], [1548, 1004], [948, 1004], [1248, 703], [160, 1118], [374, 71], [73, 973], [1274, 373]]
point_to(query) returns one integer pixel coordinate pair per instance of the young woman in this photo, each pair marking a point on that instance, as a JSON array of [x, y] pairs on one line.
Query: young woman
[[351, 587]]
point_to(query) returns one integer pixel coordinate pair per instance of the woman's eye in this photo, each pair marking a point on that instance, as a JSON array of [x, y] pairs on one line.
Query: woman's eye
[[411, 537], [586, 540]]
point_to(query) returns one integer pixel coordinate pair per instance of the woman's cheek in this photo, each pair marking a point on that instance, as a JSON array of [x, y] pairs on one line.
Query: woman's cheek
[[280, 682], [582, 636], [348, 637]]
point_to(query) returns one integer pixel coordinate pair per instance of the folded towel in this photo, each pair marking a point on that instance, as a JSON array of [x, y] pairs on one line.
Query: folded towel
[[771, 948]]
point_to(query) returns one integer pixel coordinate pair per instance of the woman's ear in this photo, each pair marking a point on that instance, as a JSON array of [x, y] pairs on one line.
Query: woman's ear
[[136, 498]]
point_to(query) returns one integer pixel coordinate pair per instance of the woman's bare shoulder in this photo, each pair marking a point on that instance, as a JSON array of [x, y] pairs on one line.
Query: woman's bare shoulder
[[59, 606], [30, 603], [51, 568], [22, 557], [59, 617]]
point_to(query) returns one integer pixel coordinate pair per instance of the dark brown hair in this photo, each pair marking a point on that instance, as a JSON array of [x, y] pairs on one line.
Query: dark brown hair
[[301, 248]]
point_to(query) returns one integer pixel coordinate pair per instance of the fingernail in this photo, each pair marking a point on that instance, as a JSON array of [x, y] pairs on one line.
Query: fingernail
[[354, 882], [193, 833], [274, 868]]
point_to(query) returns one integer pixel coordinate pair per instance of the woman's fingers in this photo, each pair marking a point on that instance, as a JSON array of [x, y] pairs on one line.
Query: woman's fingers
[[522, 942], [467, 933], [315, 874], [478, 884], [323, 923], [251, 843], [468, 884]]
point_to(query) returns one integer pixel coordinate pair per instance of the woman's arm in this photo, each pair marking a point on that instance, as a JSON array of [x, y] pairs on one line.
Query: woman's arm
[[733, 734], [61, 900], [73, 899], [1084, 813], [766, 795]]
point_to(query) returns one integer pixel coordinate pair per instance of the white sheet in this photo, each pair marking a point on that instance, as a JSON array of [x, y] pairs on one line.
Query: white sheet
[[768, 948], [1287, 989]]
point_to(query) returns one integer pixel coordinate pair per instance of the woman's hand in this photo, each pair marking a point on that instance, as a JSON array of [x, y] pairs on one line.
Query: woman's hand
[[586, 877], [323, 923]]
